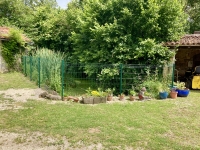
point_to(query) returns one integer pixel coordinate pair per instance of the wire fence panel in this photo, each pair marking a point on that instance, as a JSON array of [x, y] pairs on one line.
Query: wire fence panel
[[75, 78]]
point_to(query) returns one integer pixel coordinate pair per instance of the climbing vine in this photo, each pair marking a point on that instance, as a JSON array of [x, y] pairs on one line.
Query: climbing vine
[[11, 47]]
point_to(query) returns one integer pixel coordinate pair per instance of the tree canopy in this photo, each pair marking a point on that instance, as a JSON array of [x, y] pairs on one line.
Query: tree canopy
[[111, 31], [105, 31]]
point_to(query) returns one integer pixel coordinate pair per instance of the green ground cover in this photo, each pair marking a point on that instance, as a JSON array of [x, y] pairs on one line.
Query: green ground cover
[[15, 80], [156, 124]]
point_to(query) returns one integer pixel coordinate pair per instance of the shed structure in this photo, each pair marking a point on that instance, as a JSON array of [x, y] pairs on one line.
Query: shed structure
[[187, 56]]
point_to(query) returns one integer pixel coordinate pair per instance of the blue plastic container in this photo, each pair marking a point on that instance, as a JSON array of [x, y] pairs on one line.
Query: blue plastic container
[[163, 95], [183, 93]]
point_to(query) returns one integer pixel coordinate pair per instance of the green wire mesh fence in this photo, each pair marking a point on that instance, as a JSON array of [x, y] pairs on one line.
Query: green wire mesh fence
[[74, 78]]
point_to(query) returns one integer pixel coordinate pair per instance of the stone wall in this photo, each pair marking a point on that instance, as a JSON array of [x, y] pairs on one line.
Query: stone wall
[[3, 66]]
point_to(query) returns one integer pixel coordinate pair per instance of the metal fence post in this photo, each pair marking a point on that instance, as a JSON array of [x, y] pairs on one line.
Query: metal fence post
[[121, 69], [30, 67], [22, 64], [173, 75], [39, 72], [25, 66], [62, 78]]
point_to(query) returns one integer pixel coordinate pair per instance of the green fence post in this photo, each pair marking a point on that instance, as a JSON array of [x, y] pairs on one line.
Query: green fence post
[[39, 72], [22, 63], [62, 77], [25, 66], [173, 75], [30, 67], [121, 69]]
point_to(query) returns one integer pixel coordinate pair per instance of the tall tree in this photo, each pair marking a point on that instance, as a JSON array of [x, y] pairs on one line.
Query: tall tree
[[49, 28], [111, 31], [192, 7], [13, 12], [35, 3]]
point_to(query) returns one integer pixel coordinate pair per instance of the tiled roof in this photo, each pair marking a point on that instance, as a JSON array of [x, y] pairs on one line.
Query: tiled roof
[[187, 40], [4, 31], [4, 34]]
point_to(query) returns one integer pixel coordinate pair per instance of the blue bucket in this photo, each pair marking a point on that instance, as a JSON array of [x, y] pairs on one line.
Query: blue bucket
[[163, 95]]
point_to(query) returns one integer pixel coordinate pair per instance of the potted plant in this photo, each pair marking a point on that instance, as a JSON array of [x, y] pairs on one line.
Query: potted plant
[[163, 94], [94, 96], [163, 90], [132, 94], [109, 92], [121, 96], [181, 89], [173, 93]]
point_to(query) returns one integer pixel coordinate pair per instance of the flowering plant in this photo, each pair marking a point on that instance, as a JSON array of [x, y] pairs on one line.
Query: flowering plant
[[95, 93]]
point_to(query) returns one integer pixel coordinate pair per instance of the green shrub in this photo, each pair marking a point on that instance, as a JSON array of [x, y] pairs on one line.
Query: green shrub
[[156, 83], [50, 64], [15, 45]]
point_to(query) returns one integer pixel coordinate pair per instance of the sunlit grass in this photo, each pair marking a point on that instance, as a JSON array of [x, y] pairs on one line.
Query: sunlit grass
[[156, 124], [15, 80]]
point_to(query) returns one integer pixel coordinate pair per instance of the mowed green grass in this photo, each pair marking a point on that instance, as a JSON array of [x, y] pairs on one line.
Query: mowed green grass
[[15, 80], [156, 124]]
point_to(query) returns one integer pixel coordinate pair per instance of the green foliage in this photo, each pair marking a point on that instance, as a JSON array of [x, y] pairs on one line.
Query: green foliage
[[13, 12], [110, 31], [96, 93], [155, 83], [15, 45], [132, 92], [110, 91], [192, 8], [49, 29], [154, 53], [50, 62], [180, 85], [108, 76], [36, 3]]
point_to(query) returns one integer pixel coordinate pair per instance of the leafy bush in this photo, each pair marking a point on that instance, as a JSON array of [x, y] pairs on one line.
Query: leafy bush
[[154, 53], [15, 45], [156, 83]]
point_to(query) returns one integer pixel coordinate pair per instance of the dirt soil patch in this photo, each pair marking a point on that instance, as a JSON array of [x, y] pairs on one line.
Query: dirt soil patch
[[38, 141], [22, 95]]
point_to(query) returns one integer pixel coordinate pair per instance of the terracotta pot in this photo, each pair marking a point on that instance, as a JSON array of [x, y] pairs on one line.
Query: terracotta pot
[[132, 98], [121, 97], [173, 94], [109, 98]]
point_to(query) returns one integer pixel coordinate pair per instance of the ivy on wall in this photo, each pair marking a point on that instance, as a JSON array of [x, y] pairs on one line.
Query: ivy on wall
[[11, 47]]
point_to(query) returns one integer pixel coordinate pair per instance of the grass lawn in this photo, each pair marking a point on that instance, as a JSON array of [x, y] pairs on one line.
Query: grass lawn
[[156, 124], [15, 80]]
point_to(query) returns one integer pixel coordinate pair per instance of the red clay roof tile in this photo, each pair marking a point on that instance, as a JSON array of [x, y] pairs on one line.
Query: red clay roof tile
[[187, 40], [4, 34]]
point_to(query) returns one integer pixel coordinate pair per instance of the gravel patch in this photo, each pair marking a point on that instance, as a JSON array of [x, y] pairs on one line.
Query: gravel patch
[[22, 95]]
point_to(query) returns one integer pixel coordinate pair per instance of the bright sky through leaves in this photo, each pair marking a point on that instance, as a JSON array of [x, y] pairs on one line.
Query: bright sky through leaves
[[63, 3]]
